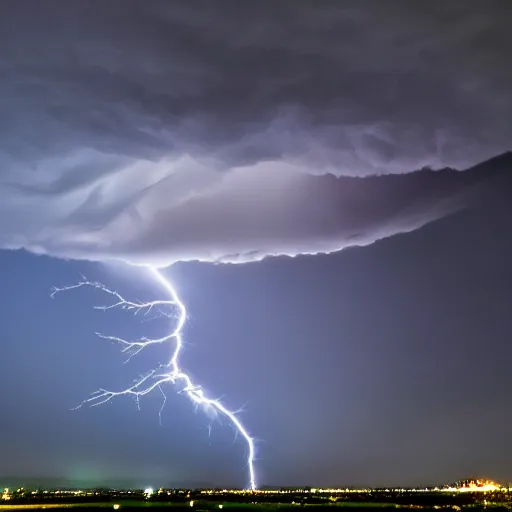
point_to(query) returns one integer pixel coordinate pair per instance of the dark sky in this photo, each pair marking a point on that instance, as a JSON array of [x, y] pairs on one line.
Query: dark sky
[[377, 365], [183, 135]]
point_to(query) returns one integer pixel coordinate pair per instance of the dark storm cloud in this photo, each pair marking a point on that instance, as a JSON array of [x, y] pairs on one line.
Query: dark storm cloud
[[127, 126], [240, 218]]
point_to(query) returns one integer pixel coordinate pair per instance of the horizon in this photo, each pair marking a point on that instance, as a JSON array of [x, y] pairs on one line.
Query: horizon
[[67, 486]]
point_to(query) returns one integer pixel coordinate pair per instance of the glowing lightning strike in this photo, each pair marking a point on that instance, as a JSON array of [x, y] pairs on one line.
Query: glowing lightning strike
[[171, 372]]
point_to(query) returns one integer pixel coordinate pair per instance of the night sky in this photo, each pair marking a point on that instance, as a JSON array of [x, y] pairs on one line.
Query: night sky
[[261, 154]]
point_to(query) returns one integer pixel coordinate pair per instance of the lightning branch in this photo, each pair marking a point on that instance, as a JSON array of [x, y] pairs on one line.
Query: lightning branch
[[169, 373]]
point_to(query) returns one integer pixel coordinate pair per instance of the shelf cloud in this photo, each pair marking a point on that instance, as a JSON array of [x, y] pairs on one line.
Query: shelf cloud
[[165, 132]]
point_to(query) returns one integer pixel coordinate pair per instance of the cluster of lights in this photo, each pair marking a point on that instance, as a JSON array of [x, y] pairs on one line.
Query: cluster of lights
[[482, 486], [475, 486], [285, 491]]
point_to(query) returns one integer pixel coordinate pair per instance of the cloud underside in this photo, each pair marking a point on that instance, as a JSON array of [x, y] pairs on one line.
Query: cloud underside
[[238, 216], [157, 132]]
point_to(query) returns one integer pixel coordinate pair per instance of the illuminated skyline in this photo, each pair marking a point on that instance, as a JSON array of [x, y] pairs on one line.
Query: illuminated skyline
[[483, 486]]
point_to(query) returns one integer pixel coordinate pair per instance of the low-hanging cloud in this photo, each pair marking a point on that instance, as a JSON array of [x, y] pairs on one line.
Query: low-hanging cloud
[[157, 132], [242, 215]]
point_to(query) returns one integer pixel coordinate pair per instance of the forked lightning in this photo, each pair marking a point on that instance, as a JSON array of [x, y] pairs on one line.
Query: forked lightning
[[168, 373]]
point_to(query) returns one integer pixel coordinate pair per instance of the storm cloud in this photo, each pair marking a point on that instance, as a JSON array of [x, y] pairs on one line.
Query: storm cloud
[[166, 131]]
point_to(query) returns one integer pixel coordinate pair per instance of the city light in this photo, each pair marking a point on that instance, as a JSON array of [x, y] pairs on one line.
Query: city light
[[462, 493], [474, 486]]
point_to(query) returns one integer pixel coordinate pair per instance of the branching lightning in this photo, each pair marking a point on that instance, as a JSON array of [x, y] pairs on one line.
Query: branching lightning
[[168, 373]]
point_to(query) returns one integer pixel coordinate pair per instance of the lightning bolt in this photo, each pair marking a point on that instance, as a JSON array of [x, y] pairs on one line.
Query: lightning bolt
[[168, 373]]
